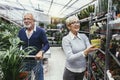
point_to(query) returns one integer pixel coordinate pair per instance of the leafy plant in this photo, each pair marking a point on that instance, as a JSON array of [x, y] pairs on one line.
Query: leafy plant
[[11, 61], [10, 54], [7, 31], [86, 12]]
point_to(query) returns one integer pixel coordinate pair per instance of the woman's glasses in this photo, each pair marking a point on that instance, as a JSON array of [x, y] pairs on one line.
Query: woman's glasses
[[74, 22]]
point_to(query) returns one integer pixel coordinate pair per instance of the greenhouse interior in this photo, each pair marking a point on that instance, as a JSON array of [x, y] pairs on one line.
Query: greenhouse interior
[[99, 20]]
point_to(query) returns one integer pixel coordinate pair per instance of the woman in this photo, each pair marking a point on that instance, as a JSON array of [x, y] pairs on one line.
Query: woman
[[76, 46]]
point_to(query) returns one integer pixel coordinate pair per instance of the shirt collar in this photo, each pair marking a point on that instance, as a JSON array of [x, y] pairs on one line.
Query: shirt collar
[[73, 36], [33, 29]]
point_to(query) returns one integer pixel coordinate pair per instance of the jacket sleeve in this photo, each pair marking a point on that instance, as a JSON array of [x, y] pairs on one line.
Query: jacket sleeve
[[45, 42]]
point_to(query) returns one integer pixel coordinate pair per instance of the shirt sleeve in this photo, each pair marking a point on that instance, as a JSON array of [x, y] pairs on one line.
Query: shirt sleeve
[[88, 44], [86, 40]]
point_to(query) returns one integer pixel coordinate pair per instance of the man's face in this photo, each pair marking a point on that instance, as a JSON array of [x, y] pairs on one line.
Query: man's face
[[28, 20]]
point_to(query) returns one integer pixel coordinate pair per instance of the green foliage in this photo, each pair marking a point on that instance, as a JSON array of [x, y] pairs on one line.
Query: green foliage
[[51, 26], [102, 7], [10, 54], [7, 32], [11, 62], [41, 25], [86, 12], [4, 40], [117, 3]]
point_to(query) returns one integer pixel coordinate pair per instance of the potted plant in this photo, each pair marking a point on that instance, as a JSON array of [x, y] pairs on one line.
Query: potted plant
[[10, 54], [11, 61]]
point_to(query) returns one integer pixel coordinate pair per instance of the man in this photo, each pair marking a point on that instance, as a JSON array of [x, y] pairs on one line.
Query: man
[[34, 36]]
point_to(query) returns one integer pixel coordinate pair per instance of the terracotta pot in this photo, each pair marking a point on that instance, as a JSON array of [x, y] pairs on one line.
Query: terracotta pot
[[86, 74], [23, 75]]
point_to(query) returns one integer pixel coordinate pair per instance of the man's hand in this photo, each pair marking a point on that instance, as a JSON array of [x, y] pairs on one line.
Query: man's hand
[[39, 55]]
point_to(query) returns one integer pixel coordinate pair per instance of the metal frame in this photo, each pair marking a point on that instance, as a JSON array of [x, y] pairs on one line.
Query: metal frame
[[107, 53]]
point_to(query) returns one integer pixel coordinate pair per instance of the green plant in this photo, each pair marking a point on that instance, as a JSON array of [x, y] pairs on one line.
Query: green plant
[[51, 26], [7, 32], [11, 61], [86, 12], [10, 54]]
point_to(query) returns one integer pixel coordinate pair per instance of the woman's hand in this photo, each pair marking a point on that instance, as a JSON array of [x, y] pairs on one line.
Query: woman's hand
[[90, 49]]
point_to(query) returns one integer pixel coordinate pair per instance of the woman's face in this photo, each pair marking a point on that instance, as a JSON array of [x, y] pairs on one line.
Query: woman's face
[[74, 26]]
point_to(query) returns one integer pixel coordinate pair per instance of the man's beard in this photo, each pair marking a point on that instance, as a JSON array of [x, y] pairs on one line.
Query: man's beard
[[27, 26]]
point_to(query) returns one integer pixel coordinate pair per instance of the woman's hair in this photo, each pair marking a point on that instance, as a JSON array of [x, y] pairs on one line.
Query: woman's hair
[[71, 20]]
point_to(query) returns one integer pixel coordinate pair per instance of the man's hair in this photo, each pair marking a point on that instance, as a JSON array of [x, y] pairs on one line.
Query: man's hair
[[31, 15]]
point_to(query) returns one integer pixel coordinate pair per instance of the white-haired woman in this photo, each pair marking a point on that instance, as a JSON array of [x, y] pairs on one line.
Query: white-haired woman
[[76, 46]]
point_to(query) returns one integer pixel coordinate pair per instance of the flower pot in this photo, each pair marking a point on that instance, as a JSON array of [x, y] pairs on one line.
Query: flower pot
[[96, 42], [23, 75]]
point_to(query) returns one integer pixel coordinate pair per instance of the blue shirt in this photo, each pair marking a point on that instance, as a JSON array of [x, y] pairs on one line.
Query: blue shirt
[[74, 47], [38, 39]]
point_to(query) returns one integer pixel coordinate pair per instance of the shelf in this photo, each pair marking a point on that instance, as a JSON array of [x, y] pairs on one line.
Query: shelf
[[95, 19], [116, 60], [53, 30], [115, 24]]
